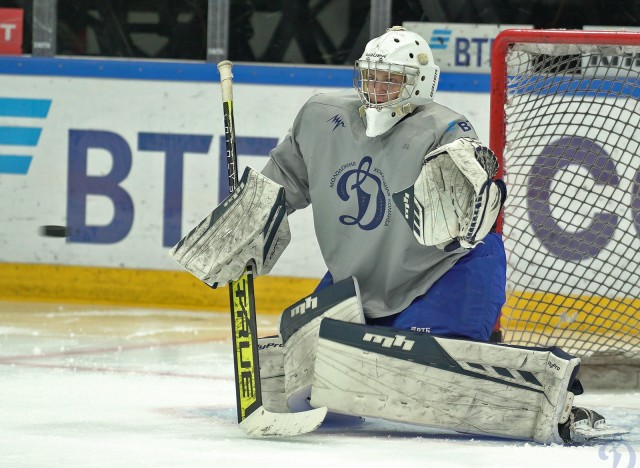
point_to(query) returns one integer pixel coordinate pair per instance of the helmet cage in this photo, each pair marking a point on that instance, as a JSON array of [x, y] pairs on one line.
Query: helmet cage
[[382, 84]]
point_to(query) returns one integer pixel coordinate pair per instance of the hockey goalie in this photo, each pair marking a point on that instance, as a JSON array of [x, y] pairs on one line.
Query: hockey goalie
[[404, 199]]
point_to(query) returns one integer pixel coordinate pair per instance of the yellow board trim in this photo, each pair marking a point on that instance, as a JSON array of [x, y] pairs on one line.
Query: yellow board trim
[[545, 313], [144, 288]]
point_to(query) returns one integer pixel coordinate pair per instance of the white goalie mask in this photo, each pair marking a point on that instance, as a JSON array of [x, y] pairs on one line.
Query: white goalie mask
[[395, 73]]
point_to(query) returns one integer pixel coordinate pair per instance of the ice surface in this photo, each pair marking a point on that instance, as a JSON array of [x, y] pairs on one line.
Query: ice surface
[[90, 386]]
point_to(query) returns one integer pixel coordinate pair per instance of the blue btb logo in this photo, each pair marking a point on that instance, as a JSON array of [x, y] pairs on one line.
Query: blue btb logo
[[173, 148], [81, 184]]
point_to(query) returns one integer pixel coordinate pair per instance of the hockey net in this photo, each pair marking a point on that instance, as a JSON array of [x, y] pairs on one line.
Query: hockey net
[[565, 121]]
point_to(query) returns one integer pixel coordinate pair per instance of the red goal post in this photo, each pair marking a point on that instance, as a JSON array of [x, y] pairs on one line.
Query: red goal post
[[565, 125]]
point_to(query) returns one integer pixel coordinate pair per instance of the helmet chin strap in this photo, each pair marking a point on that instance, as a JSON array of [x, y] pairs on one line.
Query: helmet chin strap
[[379, 121]]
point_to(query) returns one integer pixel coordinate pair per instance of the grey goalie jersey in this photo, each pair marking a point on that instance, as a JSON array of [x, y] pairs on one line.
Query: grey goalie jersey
[[348, 178]]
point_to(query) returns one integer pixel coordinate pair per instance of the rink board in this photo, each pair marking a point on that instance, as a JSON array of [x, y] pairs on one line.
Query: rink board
[[163, 119], [584, 324]]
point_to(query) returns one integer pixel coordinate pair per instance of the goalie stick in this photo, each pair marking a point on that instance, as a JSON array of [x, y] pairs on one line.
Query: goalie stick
[[253, 418]]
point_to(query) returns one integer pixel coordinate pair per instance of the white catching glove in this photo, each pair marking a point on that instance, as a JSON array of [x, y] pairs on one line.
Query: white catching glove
[[249, 225], [454, 202]]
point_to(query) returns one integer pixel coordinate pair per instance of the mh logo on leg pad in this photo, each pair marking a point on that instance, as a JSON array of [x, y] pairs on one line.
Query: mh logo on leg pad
[[387, 341], [309, 303]]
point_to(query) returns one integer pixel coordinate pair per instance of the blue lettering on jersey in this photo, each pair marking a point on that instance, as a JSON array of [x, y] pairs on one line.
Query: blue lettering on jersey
[[367, 187], [465, 126]]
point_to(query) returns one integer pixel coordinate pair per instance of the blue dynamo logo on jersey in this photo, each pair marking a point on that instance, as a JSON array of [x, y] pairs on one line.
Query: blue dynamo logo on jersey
[[25, 138], [358, 181], [439, 38]]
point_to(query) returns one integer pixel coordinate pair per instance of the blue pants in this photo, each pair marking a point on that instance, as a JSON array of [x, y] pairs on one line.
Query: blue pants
[[465, 302]]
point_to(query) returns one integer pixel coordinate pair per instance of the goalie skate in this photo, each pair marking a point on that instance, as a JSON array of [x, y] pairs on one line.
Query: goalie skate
[[584, 425]]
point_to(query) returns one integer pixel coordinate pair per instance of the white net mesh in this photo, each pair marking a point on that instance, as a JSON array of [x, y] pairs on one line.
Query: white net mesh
[[572, 218]]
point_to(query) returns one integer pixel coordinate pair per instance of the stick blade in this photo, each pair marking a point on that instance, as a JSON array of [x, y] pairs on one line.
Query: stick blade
[[263, 423]]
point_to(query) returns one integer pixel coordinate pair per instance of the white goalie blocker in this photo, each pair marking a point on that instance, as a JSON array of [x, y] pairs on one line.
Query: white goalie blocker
[[454, 202], [248, 226]]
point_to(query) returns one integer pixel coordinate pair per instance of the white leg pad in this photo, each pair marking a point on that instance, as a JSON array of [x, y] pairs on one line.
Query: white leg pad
[[466, 386], [299, 327]]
